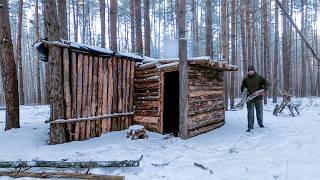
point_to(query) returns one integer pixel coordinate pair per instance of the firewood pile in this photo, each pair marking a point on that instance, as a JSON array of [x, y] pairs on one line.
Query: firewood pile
[[137, 132]]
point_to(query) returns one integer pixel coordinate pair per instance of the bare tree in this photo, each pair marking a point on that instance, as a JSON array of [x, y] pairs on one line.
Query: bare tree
[[63, 21], [8, 69]]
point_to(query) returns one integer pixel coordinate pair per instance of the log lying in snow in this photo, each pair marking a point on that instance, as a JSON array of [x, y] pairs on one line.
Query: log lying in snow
[[65, 164], [59, 175]]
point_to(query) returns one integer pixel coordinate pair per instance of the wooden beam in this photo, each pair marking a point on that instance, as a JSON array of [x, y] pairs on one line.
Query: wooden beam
[[63, 175], [59, 121], [183, 89]]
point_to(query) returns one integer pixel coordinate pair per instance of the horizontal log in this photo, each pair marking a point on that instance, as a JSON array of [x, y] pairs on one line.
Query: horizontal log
[[67, 164], [206, 109], [193, 94], [154, 127], [60, 121], [146, 90], [146, 94], [207, 117], [147, 98], [153, 113], [147, 86], [205, 88], [211, 83], [146, 105], [148, 71], [205, 129], [142, 76], [146, 119], [64, 175], [206, 98], [147, 80], [148, 66]]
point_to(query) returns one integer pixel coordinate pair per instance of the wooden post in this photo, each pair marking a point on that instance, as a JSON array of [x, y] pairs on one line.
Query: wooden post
[[183, 89]]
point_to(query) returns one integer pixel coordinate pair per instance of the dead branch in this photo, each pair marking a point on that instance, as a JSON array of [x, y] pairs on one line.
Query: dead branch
[[203, 167]]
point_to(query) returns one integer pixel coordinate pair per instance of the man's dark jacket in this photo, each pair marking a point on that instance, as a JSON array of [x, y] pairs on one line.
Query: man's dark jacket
[[254, 83]]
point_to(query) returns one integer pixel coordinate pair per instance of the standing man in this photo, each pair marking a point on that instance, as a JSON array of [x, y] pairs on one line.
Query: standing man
[[253, 83]]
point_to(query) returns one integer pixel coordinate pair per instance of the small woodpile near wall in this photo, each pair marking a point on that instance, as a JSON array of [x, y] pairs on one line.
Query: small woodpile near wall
[[98, 92], [205, 100]]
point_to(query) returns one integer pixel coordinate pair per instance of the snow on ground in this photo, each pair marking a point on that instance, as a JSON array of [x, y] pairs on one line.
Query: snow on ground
[[288, 148]]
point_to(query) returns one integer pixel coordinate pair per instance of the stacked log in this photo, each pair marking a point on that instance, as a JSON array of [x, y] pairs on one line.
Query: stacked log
[[147, 93], [206, 99], [95, 86]]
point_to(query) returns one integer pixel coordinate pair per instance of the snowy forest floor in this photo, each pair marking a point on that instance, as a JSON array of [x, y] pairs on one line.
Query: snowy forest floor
[[288, 148]]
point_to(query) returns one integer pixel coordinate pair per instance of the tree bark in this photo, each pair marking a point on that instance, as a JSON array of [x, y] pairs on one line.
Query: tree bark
[[276, 56], [114, 19], [8, 69], [103, 22], [57, 133], [37, 35], [303, 54], [183, 73], [209, 37], [18, 52], [138, 27], [132, 26], [63, 21], [243, 39], [233, 51], [147, 37]]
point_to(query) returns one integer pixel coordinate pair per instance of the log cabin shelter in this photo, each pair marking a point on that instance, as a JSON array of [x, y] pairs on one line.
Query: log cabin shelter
[[108, 91], [156, 95]]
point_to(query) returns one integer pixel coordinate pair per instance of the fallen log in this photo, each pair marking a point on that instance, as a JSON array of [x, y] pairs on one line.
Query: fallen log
[[59, 175], [66, 164]]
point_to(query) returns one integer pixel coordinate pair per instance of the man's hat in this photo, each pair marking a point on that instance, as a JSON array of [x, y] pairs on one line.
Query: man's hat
[[251, 68]]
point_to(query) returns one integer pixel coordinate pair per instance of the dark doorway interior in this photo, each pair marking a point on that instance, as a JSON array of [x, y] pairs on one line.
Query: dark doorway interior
[[171, 103]]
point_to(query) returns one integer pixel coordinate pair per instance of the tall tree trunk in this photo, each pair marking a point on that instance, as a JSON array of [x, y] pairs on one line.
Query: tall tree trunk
[[138, 27], [225, 44], [103, 22], [37, 35], [114, 20], [285, 51], [63, 21], [147, 28], [132, 26], [276, 56], [233, 51], [303, 55], [195, 29], [209, 37], [266, 49], [248, 31], [8, 69], [243, 39], [75, 8], [53, 30], [18, 52]]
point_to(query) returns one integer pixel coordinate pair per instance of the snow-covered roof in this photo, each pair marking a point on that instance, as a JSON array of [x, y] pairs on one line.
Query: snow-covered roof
[[98, 51], [164, 64]]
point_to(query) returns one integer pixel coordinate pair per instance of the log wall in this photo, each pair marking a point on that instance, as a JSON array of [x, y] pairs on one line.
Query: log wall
[[206, 99], [147, 102], [95, 86]]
